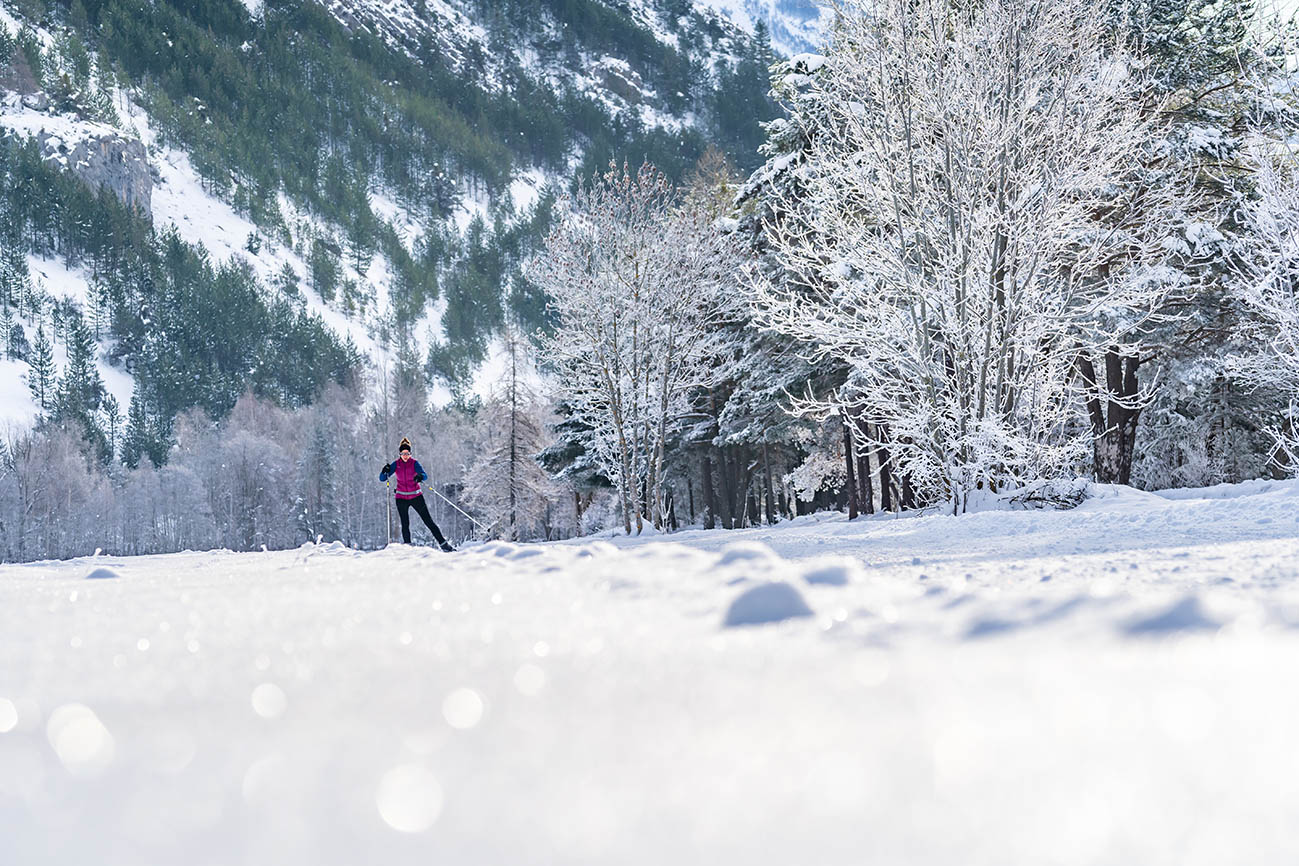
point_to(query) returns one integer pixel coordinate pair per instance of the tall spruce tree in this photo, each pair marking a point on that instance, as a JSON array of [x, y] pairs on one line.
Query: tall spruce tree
[[112, 425], [138, 442], [41, 372]]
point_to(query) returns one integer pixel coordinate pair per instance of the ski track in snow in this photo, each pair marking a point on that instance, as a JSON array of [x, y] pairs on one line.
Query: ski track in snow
[[1109, 685]]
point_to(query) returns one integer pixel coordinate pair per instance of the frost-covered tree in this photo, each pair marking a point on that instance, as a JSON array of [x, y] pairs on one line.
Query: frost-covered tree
[[1205, 60], [638, 283], [1268, 284], [316, 500], [949, 246], [506, 484]]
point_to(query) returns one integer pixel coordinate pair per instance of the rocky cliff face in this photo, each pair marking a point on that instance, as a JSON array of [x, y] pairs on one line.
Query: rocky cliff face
[[119, 163], [99, 157], [16, 76], [96, 153]]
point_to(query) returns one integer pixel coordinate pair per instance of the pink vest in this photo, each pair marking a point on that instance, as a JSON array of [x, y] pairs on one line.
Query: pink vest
[[403, 478]]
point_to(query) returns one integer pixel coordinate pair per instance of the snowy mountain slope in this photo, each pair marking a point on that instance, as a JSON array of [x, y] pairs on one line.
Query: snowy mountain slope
[[622, 64], [489, 46], [1102, 686], [796, 26], [18, 409], [181, 200]]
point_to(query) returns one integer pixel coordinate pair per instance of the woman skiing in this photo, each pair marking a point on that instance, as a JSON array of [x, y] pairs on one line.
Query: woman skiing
[[407, 474]]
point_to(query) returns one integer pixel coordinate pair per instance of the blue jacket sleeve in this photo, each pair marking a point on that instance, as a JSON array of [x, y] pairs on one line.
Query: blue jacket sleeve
[[420, 474], [383, 476]]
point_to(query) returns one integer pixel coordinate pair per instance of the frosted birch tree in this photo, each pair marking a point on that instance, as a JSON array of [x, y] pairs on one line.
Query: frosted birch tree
[[1268, 284], [967, 230], [638, 282]]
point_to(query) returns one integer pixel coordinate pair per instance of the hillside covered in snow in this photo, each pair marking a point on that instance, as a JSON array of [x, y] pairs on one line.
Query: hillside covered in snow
[[378, 170], [1107, 685]]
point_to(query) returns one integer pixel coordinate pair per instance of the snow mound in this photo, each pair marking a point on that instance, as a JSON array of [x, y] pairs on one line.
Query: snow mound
[[1187, 614], [596, 549], [831, 573], [1230, 491], [768, 602], [747, 552], [102, 573], [1119, 497]]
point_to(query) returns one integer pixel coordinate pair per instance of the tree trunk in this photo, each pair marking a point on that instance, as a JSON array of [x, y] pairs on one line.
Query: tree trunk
[[728, 489], [865, 484], [866, 487], [850, 461], [766, 466], [886, 482], [1114, 425], [710, 495], [690, 496]]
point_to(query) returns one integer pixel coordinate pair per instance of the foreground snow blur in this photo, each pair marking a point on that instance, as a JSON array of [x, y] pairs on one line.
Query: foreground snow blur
[[1112, 684]]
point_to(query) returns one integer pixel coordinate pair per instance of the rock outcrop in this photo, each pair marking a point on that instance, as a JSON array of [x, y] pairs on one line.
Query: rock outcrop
[[109, 160]]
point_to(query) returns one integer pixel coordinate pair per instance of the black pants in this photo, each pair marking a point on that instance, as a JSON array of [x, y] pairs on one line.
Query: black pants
[[403, 511]]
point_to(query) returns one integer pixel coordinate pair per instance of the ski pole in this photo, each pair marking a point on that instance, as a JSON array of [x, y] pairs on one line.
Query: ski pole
[[388, 512], [438, 493]]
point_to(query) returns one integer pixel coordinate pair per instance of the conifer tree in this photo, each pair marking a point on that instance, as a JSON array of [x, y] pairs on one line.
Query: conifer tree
[[137, 440], [317, 510], [507, 484], [324, 269], [112, 424], [81, 389], [7, 332], [40, 378]]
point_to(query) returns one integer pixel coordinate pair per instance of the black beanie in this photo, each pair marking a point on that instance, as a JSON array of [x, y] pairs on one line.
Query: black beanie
[[404, 446]]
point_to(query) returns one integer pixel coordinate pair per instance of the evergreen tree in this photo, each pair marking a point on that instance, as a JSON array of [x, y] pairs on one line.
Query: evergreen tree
[[100, 306], [9, 331], [137, 442], [316, 505], [324, 269], [41, 375], [112, 426], [287, 281], [1212, 64], [81, 388]]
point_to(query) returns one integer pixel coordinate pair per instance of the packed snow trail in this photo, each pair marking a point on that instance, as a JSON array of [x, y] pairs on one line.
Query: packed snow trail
[[1114, 684]]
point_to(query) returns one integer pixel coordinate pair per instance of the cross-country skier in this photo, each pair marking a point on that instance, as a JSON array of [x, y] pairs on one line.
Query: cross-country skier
[[407, 474]]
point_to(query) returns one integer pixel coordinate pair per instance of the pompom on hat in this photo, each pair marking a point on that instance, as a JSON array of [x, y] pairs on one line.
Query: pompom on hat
[[404, 446]]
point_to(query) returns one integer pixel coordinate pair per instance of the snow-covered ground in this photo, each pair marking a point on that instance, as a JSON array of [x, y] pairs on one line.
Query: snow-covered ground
[[1111, 685]]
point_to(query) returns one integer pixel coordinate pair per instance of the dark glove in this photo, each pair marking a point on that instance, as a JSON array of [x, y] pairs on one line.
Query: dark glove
[[419, 476], [387, 469]]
